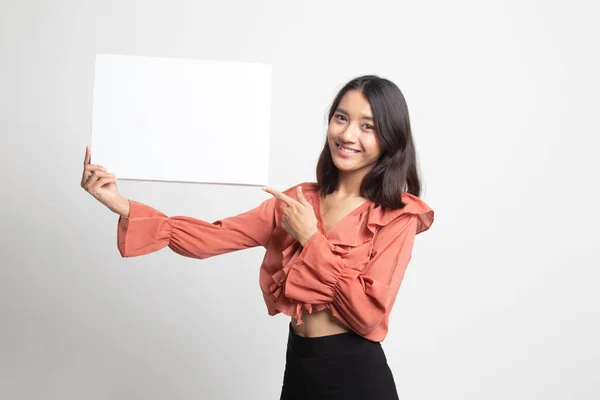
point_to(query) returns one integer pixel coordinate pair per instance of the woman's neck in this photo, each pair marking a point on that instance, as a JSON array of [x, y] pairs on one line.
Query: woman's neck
[[349, 184]]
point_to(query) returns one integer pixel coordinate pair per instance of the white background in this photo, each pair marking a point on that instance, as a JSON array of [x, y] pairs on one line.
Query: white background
[[501, 298]]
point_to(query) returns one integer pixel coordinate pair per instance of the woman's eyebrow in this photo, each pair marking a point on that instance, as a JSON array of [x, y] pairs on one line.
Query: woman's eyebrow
[[362, 116]]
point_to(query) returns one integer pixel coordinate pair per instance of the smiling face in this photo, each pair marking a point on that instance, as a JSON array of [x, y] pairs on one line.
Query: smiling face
[[351, 135]]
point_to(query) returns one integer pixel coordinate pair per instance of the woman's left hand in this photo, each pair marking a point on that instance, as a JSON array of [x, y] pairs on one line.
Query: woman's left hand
[[299, 219]]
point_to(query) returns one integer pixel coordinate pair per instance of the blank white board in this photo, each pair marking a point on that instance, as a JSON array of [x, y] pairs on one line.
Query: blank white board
[[182, 120]]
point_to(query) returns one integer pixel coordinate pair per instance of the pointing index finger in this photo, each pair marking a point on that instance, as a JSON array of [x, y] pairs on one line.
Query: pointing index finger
[[280, 196]]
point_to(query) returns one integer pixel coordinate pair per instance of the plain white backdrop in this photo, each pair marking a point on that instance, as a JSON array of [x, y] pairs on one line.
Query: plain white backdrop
[[501, 300]]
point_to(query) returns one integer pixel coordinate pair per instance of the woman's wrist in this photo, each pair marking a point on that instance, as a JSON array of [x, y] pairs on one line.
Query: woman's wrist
[[305, 239], [122, 207]]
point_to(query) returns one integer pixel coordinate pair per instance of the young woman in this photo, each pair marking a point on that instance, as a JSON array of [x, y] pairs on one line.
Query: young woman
[[336, 249]]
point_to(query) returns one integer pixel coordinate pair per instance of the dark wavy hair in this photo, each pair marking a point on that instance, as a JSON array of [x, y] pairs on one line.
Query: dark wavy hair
[[396, 170]]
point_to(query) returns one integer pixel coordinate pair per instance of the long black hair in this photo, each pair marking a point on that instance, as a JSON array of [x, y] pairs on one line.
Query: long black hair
[[396, 170]]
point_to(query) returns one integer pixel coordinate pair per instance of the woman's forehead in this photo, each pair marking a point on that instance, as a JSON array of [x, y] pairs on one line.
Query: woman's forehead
[[356, 104]]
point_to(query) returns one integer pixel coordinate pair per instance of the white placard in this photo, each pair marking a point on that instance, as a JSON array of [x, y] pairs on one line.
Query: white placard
[[182, 120]]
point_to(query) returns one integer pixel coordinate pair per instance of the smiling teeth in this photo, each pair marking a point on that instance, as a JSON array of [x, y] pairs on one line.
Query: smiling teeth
[[345, 150]]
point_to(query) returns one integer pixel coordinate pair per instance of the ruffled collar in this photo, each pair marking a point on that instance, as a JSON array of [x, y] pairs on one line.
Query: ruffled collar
[[344, 232], [379, 216]]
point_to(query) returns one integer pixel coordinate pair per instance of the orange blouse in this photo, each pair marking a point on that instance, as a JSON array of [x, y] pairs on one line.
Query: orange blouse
[[354, 270]]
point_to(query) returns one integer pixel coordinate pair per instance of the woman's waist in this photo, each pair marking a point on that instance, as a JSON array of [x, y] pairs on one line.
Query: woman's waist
[[317, 324], [344, 342]]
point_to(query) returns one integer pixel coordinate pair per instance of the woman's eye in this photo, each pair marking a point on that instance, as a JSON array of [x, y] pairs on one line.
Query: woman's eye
[[369, 126], [340, 116]]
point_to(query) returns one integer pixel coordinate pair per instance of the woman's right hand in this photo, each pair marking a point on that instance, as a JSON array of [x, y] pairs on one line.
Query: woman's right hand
[[101, 184]]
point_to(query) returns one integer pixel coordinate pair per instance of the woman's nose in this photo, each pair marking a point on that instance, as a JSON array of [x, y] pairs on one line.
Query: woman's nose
[[350, 133]]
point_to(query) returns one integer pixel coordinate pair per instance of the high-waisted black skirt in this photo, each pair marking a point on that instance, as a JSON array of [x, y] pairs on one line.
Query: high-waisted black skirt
[[341, 366]]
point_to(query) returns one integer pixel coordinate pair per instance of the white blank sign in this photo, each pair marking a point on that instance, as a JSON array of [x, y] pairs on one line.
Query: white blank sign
[[182, 120]]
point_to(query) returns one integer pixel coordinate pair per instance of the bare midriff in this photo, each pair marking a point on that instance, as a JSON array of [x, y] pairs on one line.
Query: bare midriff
[[317, 324]]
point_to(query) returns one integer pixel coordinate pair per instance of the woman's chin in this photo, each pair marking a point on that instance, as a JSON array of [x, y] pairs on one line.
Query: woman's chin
[[344, 167]]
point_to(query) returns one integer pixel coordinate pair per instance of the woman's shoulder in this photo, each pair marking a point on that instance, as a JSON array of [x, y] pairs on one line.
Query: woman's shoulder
[[413, 206], [309, 189], [306, 186]]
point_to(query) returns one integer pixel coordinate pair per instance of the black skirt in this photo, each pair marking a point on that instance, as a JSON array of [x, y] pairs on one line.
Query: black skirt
[[341, 366]]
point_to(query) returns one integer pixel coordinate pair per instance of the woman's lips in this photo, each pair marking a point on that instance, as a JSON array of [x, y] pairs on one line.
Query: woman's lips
[[344, 153]]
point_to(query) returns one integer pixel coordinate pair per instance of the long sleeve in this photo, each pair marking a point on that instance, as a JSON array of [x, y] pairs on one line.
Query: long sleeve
[[363, 294], [146, 230]]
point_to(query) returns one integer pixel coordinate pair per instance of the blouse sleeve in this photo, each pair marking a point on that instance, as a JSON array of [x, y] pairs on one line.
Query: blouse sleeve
[[363, 294], [146, 230]]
